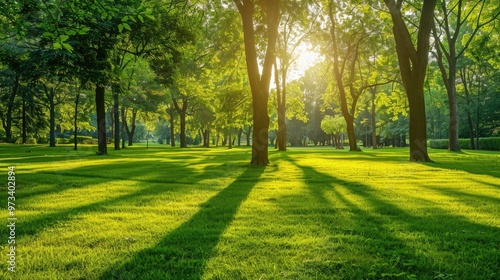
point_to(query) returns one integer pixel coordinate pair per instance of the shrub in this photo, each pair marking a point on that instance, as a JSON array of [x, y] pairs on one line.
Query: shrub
[[30, 141], [43, 140], [62, 141], [81, 139], [489, 143]]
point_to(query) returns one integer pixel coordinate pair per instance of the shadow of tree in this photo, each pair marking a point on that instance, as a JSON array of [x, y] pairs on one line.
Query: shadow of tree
[[183, 253], [384, 226]]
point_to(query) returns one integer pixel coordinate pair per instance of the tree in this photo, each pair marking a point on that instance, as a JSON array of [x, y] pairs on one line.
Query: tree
[[334, 126], [413, 65], [448, 33], [259, 83]]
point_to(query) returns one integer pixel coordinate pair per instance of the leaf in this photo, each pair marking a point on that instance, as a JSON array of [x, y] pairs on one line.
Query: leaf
[[57, 46], [140, 18], [67, 46], [150, 16], [125, 19], [126, 26], [63, 38], [120, 27]]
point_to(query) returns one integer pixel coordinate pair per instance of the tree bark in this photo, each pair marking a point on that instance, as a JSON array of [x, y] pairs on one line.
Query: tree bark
[[101, 119], [182, 115], [124, 124], [10, 107], [116, 111], [75, 122], [24, 119], [52, 116], [248, 133], [373, 120], [131, 131], [413, 65], [171, 112], [259, 84]]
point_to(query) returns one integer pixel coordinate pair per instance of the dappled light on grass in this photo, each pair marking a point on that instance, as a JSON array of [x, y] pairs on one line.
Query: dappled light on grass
[[207, 214]]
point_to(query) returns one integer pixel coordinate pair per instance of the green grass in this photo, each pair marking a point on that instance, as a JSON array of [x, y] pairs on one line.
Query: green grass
[[313, 213]]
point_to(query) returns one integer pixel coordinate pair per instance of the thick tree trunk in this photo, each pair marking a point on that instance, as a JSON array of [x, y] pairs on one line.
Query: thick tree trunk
[[260, 134], [418, 129], [259, 84], [413, 65], [206, 138], [116, 111], [101, 119]]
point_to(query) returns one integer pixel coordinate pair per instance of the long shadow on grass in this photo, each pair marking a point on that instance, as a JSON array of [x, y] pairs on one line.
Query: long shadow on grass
[[183, 253], [381, 228], [178, 179]]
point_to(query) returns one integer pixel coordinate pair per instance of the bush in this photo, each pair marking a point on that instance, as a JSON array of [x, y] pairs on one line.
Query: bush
[[81, 139], [30, 141], [62, 141], [43, 140], [490, 143]]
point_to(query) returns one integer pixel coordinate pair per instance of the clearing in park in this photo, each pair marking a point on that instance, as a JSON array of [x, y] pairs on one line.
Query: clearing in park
[[313, 213]]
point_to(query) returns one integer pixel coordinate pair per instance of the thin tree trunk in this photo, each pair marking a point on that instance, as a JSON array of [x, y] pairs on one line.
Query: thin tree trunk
[[116, 111], [131, 132], [75, 122], [171, 112], [52, 117], [10, 107], [124, 126], [24, 119], [248, 133], [101, 119], [374, 122]]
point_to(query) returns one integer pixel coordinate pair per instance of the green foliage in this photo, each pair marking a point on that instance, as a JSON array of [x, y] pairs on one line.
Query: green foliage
[[331, 125], [81, 139], [29, 141], [490, 143]]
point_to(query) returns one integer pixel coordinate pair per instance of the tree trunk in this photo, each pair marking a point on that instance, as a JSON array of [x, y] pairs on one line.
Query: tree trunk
[[24, 119], [248, 135], [171, 120], [259, 84], [182, 114], [182, 133], [52, 117], [101, 119], [230, 137], [116, 111], [10, 107], [75, 122], [124, 125], [131, 132], [260, 134], [413, 65], [206, 138], [240, 132], [374, 122]]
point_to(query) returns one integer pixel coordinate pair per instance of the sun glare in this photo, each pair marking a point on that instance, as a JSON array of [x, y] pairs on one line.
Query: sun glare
[[306, 58]]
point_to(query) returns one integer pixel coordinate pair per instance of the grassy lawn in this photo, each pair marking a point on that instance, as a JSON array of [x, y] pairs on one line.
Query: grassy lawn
[[313, 213]]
